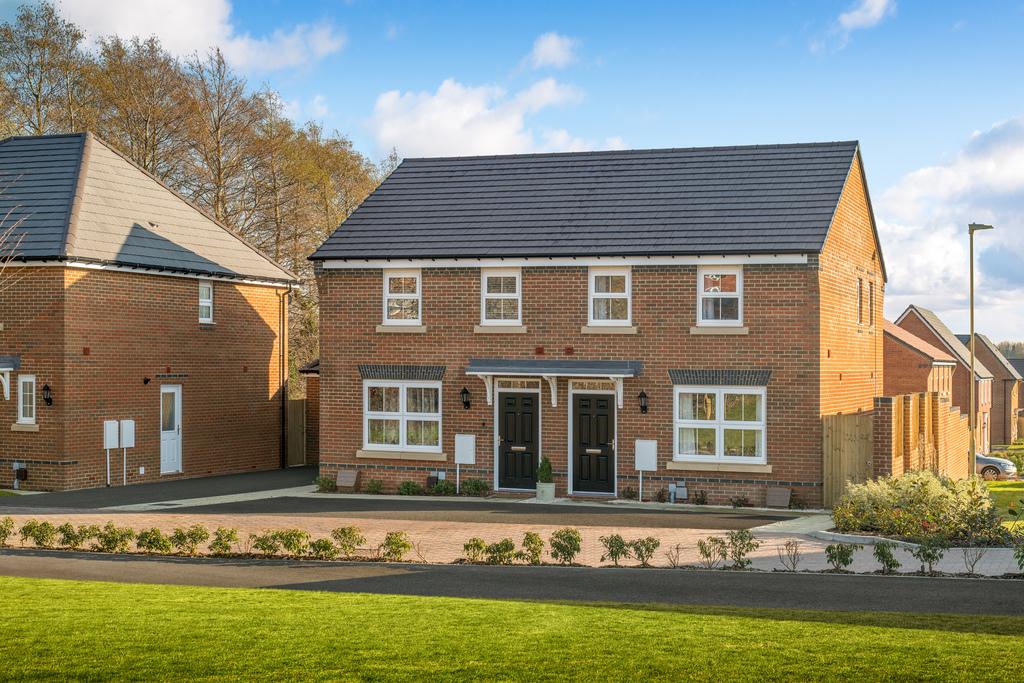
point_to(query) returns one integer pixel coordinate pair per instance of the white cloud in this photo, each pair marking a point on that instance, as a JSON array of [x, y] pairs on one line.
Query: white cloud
[[463, 119], [554, 50], [923, 224], [194, 26], [318, 106], [863, 15]]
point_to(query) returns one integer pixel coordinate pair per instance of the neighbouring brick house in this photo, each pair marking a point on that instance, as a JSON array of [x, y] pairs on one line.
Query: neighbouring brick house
[[718, 301], [925, 325], [1005, 387], [311, 371], [912, 365], [125, 302]]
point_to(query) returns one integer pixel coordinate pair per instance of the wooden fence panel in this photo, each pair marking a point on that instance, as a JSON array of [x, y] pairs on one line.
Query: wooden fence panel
[[296, 432], [847, 448]]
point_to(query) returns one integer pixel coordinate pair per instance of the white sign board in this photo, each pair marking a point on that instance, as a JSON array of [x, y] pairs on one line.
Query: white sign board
[[110, 433], [646, 454], [127, 433], [465, 449]]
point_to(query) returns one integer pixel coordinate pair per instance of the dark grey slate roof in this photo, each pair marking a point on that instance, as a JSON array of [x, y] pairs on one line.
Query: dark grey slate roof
[[73, 197], [723, 378], [530, 366], [10, 362], [950, 340], [410, 373], [965, 339], [1018, 365], [709, 200]]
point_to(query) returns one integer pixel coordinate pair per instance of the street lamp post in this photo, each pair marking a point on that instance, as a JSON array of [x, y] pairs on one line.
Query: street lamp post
[[971, 229]]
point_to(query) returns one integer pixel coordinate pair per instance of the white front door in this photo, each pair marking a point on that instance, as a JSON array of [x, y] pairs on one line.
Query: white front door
[[170, 428]]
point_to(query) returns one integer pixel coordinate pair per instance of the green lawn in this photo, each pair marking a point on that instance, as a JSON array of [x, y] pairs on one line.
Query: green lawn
[[8, 493], [101, 631], [1005, 492]]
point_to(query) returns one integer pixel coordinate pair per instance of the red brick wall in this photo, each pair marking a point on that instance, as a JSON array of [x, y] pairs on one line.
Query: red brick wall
[[120, 328], [908, 371], [851, 351]]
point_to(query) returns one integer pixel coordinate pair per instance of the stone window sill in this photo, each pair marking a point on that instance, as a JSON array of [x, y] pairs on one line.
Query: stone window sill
[[401, 329], [718, 467], [18, 427], [499, 329], [608, 329], [402, 455], [719, 330]]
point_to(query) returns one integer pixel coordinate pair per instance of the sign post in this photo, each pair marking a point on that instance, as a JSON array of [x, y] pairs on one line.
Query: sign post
[[127, 441], [465, 454], [645, 454], [110, 440]]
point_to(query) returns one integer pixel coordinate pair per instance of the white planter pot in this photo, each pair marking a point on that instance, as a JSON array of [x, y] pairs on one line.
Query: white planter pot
[[546, 492]]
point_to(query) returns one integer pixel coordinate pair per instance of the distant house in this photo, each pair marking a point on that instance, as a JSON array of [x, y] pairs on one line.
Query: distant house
[[695, 311], [924, 324], [912, 365], [129, 303], [1005, 387]]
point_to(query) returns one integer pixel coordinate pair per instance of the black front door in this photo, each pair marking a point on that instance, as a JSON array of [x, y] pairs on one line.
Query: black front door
[[519, 440], [593, 435]]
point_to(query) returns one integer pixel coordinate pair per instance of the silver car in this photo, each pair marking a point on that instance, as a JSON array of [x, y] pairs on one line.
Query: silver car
[[995, 468]]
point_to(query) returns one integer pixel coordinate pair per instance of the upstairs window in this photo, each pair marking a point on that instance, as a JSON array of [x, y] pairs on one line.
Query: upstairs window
[[206, 302], [26, 399], [610, 294], [501, 300], [402, 416], [720, 296], [402, 297]]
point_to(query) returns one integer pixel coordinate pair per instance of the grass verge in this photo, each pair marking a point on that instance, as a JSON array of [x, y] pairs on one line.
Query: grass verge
[[1006, 492], [102, 631]]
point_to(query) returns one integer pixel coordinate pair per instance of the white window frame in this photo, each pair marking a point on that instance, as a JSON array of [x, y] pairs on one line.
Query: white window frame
[[402, 415], [24, 380], [485, 273], [592, 295], [418, 296], [701, 295], [720, 424], [205, 302]]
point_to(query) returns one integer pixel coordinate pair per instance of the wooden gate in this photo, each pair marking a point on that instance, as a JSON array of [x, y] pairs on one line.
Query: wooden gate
[[296, 432], [847, 450]]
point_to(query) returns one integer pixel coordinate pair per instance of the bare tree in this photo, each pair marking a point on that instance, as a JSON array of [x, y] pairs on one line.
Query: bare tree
[[10, 243]]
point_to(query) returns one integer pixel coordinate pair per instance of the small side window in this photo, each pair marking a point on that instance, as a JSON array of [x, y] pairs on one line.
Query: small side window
[[206, 302], [26, 399]]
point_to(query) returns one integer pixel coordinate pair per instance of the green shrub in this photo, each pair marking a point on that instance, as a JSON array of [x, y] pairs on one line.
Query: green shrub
[[544, 473], [700, 498], [629, 493], [326, 485], [410, 488], [323, 549], [661, 495], [113, 539], [443, 488], [294, 542], [374, 487], [187, 541], [565, 545], [1018, 555], [929, 551], [6, 529], [224, 539], [74, 538], [42, 534], [615, 548], [153, 541], [533, 547], [740, 502], [713, 551], [885, 554], [740, 544], [474, 487], [840, 555], [348, 539], [268, 543], [920, 504], [502, 552], [395, 547], [644, 549], [474, 549]]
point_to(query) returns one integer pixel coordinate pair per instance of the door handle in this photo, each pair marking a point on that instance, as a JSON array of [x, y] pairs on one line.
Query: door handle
[[517, 448], [592, 451]]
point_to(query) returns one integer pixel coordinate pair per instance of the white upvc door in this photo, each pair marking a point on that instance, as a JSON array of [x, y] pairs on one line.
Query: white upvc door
[[170, 428]]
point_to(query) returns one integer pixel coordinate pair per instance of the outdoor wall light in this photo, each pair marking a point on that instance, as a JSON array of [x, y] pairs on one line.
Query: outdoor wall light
[[464, 395], [47, 395], [145, 380], [642, 398]]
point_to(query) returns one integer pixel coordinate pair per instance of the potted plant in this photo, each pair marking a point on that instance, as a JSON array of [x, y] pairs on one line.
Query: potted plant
[[545, 481]]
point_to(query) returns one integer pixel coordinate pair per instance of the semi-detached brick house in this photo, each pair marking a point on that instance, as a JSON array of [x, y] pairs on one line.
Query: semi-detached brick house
[[717, 301], [125, 302], [1005, 387], [925, 325]]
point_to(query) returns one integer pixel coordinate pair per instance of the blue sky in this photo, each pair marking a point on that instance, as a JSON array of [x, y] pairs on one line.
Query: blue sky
[[931, 89]]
